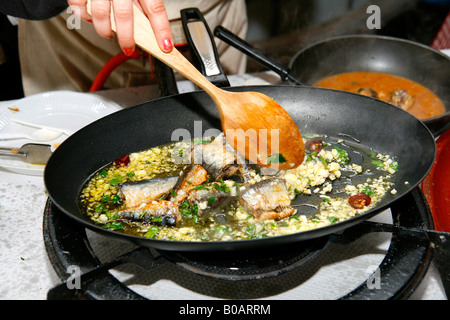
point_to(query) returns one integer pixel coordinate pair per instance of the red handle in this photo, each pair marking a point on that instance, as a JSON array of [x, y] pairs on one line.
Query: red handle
[[436, 185], [109, 67]]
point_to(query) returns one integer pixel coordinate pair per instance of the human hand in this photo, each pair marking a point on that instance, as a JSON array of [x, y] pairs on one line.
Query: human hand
[[123, 16]]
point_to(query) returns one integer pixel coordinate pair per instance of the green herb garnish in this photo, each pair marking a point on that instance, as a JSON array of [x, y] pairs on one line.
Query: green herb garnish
[[113, 225], [276, 158], [152, 232], [114, 182], [378, 163], [310, 156], [251, 229], [332, 219], [324, 162], [368, 191], [343, 155], [394, 166]]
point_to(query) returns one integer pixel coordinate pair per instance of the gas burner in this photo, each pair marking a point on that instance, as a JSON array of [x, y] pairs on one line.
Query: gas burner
[[238, 274], [245, 265]]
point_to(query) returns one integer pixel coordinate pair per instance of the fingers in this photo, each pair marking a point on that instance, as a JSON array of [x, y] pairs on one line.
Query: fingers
[[79, 9], [123, 16], [101, 10], [156, 13]]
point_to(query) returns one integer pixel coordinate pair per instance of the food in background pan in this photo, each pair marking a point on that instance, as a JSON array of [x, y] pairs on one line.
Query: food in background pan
[[171, 192], [401, 92]]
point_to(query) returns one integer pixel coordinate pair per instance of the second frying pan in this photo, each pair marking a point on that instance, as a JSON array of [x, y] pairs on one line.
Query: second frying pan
[[404, 58]]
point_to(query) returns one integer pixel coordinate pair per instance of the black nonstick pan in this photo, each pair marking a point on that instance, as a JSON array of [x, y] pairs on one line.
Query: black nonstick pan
[[404, 58], [338, 115], [353, 118]]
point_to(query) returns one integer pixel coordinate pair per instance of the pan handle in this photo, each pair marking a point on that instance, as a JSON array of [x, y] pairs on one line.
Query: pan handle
[[167, 82], [245, 47], [203, 48]]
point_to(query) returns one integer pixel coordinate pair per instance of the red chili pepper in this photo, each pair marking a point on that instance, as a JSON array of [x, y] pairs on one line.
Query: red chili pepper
[[122, 161], [315, 145], [358, 201]]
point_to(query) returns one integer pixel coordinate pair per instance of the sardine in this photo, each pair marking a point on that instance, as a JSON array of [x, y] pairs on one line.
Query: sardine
[[136, 193], [208, 196], [161, 212], [267, 199], [192, 176], [218, 158], [209, 193]]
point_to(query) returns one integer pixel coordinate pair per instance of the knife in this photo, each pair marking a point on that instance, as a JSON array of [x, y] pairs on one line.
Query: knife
[[31, 152]]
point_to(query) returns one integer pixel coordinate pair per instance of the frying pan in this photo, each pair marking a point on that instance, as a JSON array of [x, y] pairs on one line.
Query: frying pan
[[404, 58], [315, 110], [336, 114]]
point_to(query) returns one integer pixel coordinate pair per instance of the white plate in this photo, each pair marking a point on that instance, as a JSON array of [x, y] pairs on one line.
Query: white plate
[[60, 109]]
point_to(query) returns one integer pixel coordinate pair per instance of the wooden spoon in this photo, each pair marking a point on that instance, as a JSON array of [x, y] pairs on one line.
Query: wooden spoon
[[254, 124]]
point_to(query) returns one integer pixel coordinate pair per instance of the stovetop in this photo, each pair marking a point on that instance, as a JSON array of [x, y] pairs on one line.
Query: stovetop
[[372, 260], [30, 272]]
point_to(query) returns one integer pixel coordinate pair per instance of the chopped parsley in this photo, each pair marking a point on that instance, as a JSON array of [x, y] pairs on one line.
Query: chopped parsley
[[276, 158], [343, 155], [113, 225], [152, 232]]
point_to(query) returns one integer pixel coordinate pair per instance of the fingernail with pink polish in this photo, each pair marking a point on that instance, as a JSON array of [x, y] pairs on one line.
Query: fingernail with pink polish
[[167, 45], [128, 51]]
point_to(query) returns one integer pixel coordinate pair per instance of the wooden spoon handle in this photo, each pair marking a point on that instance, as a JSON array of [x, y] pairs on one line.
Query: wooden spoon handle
[[145, 38]]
